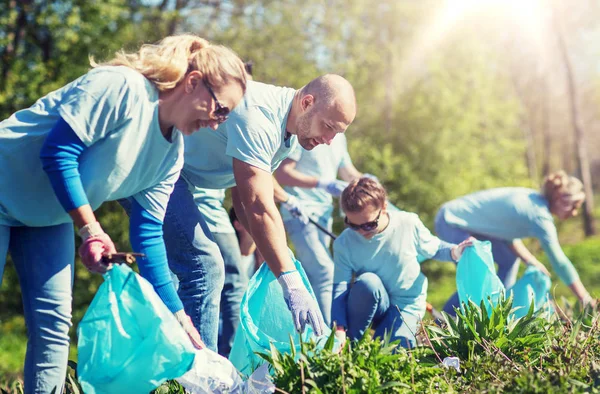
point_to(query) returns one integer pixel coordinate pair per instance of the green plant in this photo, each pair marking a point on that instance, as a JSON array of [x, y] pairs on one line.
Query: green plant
[[369, 365], [475, 331]]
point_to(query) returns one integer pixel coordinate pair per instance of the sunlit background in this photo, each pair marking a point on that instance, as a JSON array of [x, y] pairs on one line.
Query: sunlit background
[[454, 96]]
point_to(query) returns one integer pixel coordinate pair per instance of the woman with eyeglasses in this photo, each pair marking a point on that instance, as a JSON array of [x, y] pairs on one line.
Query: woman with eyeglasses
[[115, 132], [381, 249], [506, 215]]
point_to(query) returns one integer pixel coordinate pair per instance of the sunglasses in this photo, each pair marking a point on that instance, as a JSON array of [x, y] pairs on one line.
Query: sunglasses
[[221, 111], [368, 226]]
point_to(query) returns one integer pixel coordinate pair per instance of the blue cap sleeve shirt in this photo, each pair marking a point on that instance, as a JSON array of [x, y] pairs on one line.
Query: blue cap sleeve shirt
[[255, 133], [323, 162], [393, 256], [210, 205], [511, 213], [114, 111]]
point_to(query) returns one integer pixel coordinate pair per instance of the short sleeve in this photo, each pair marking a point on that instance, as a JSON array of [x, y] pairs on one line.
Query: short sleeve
[[253, 137], [342, 263], [98, 103], [426, 243]]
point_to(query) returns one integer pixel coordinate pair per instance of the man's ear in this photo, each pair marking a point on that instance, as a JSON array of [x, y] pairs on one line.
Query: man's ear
[[307, 101]]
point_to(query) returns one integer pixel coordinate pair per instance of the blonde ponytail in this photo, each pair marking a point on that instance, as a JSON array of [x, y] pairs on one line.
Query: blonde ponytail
[[167, 62]]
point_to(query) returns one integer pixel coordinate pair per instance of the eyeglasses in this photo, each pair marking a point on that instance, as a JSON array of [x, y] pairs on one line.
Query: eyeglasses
[[368, 226], [221, 111]]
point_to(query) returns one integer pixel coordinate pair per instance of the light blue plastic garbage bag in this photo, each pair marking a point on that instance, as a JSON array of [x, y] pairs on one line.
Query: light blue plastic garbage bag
[[476, 277], [534, 286], [265, 319], [129, 341]]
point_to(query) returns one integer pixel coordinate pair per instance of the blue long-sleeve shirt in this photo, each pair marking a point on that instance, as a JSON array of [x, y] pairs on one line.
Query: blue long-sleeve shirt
[[394, 255], [60, 154]]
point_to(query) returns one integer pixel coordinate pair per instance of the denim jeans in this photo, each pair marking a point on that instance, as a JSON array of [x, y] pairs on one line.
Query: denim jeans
[[312, 250], [195, 259], [369, 305], [236, 282], [505, 258], [44, 259]]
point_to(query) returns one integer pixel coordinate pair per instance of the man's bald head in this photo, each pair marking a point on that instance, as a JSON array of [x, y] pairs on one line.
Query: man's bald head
[[321, 110], [331, 91]]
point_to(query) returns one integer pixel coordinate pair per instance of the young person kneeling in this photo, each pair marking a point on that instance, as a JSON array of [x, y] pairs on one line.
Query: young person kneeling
[[383, 251]]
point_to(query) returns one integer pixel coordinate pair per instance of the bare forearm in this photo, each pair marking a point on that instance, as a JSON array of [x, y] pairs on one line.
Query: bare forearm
[[268, 232], [522, 252], [580, 291], [238, 207], [278, 192], [349, 173]]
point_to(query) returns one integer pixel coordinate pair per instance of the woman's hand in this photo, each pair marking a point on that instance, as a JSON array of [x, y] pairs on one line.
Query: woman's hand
[[458, 250], [538, 265]]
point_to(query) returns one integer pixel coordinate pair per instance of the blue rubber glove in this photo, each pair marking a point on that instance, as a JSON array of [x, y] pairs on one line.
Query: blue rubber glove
[[293, 206], [334, 187], [302, 305]]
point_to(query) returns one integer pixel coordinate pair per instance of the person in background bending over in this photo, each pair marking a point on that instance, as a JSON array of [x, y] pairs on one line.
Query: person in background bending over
[[381, 249], [506, 215]]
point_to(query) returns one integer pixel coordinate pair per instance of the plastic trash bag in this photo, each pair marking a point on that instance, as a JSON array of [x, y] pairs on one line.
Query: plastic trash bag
[[265, 319], [213, 373], [129, 342], [534, 286], [476, 278]]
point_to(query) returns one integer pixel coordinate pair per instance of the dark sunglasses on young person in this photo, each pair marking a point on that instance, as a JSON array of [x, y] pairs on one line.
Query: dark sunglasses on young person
[[368, 226], [221, 111]]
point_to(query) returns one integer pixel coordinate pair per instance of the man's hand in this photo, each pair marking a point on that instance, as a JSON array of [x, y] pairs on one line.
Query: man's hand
[[293, 206], [334, 187], [302, 305], [185, 322]]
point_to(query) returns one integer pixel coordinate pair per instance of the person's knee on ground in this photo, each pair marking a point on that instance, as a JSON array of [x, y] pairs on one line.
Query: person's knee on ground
[[366, 294]]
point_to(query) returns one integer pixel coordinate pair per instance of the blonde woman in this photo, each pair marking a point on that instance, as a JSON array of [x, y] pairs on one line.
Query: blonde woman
[[382, 249], [506, 215], [110, 134]]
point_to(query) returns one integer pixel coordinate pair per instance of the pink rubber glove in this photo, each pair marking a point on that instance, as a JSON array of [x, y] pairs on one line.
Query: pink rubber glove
[[95, 244]]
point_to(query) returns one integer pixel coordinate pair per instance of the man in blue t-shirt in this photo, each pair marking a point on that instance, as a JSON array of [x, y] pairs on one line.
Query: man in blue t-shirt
[[310, 177], [242, 154]]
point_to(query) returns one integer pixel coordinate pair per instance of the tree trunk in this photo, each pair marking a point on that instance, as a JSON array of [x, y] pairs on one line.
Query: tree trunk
[[580, 139]]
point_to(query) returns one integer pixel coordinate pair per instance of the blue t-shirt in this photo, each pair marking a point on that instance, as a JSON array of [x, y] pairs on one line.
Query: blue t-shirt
[[510, 213], [393, 255], [114, 111], [323, 162], [254, 133], [210, 204]]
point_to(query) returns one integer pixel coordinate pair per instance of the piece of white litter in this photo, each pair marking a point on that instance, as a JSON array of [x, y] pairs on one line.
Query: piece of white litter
[[452, 362], [213, 373]]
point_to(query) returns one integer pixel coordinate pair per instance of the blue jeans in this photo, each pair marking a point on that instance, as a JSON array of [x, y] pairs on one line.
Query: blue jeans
[[369, 305], [236, 282], [505, 258], [195, 259], [312, 250], [44, 259]]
